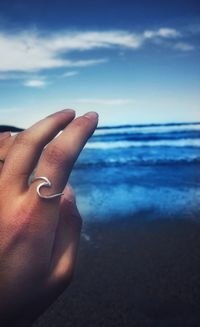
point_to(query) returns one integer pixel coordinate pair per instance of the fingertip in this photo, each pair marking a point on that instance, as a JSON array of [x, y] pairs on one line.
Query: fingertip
[[67, 111], [92, 115]]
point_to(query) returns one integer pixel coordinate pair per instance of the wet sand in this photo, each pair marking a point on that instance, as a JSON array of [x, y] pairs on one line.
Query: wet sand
[[133, 272]]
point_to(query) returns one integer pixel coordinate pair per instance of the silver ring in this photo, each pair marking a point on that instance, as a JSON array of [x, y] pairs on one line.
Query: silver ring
[[46, 183]]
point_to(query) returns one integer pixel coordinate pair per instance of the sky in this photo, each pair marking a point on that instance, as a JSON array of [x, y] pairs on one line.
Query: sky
[[131, 61]]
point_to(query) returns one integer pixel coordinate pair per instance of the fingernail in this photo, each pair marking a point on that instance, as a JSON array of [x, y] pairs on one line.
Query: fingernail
[[67, 110], [4, 135], [64, 110], [92, 115]]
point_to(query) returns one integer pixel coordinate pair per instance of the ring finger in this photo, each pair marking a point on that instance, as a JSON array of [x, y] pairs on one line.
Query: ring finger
[[60, 155]]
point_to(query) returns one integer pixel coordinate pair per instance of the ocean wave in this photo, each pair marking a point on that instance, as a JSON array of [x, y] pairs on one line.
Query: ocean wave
[[175, 135], [151, 128], [155, 143], [152, 125], [137, 161], [143, 145]]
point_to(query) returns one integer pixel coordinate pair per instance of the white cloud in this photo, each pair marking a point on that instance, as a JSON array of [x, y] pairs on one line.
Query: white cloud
[[92, 40], [26, 79], [107, 102], [12, 76], [70, 74], [184, 46], [37, 83], [85, 63], [162, 32], [21, 76], [29, 51]]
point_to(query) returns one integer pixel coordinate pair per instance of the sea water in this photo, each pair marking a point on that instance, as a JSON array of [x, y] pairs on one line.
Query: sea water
[[140, 172]]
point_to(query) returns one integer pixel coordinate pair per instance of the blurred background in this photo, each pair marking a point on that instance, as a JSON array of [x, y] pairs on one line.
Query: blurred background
[[137, 63]]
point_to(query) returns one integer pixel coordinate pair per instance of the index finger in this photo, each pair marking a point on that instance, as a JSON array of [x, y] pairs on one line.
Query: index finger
[[28, 146]]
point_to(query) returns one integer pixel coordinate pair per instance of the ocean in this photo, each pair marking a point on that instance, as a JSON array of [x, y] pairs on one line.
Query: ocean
[[138, 191], [126, 170]]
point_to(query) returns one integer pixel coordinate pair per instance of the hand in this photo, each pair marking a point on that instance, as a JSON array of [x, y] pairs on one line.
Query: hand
[[38, 237], [6, 140]]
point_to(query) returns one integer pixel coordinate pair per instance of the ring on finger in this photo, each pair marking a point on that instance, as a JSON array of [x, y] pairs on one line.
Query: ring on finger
[[46, 183]]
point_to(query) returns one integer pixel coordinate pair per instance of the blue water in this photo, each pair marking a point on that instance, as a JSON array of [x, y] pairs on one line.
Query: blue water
[[149, 170]]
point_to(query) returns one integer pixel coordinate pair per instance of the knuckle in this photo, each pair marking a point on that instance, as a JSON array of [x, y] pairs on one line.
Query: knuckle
[[54, 155], [18, 221], [82, 122], [24, 139], [4, 142], [70, 194]]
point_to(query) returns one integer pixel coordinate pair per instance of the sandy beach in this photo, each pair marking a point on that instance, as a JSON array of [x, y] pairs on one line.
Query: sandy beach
[[133, 274]]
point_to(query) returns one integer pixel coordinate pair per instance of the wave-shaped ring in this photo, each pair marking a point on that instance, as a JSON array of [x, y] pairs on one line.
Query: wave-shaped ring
[[46, 183]]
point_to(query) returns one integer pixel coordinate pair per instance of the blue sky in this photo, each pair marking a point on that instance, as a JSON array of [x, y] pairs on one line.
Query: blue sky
[[131, 61]]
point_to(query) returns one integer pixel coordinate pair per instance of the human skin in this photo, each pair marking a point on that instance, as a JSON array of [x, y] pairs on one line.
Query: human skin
[[38, 237]]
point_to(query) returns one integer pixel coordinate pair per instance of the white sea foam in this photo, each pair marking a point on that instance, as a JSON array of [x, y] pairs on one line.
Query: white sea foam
[[148, 129], [128, 144]]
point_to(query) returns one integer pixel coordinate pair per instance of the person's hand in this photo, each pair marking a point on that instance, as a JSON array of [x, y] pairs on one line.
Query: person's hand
[[38, 237], [6, 140]]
